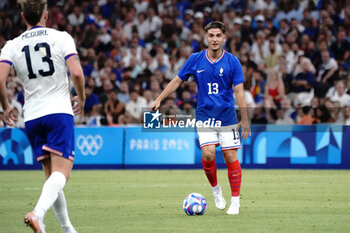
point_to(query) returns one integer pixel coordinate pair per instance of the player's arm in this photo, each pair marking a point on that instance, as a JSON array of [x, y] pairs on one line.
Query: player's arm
[[170, 88], [79, 83], [244, 124], [4, 72]]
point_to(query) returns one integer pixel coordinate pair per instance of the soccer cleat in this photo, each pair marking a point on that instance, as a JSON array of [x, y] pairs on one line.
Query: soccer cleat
[[219, 199], [234, 207], [33, 221]]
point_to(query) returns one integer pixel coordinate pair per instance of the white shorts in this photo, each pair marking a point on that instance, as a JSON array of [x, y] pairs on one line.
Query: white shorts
[[225, 136]]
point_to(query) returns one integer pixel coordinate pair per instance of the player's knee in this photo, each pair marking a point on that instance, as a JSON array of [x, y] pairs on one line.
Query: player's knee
[[208, 154], [230, 155]]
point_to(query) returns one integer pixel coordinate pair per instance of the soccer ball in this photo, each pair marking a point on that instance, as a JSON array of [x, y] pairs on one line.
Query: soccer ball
[[195, 204]]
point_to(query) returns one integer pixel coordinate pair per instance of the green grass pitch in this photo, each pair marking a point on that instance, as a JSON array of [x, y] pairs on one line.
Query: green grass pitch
[[108, 201]]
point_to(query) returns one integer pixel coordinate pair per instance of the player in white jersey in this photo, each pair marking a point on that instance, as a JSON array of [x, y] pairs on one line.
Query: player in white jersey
[[40, 57]]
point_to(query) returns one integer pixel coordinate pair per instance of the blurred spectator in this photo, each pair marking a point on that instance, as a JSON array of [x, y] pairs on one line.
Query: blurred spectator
[[271, 59], [142, 25], [87, 68], [323, 115], [123, 94], [135, 107], [283, 118], [147, 94], [113, 108], [315, 102], [170, 106], [220, 6], [155, 88], [140, 6], [188, 110], [155, 25], [249, 101], [56, 17], [274, 89], [346, 113], [308, 117], [341, 47], [327, 72], [259, 117], [92, 107], [173, 69], [76, 18], [303, 81], [340, 94], [18, 106], [334, 109], [258, 86], [247, 32], [303, 64], [257, 50]]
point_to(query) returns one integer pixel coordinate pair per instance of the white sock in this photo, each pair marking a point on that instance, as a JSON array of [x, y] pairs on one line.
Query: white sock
[[216, 188], [53, 185], [60, 209], [235, 200]]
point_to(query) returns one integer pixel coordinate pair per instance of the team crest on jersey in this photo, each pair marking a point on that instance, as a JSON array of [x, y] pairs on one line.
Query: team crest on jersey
[[221, 72]]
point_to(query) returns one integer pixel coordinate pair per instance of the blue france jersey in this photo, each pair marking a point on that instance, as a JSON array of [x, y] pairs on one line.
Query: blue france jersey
[[214, 81]]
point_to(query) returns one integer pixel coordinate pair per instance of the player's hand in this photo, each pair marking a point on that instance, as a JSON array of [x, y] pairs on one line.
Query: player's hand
[[155, 105], [9, 116], [245, 129], [77, 105]]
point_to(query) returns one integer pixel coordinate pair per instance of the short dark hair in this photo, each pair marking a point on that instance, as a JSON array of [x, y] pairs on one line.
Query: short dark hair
[[33, 10], [215, 24]]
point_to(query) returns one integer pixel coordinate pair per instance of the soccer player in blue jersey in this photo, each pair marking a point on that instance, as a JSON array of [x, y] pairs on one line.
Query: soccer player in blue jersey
[[40, 57], [216, 73]]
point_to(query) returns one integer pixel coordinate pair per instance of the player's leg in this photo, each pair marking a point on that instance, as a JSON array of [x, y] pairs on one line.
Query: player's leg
[[208, 140], [37, 140], [60, 209], [230, 142], [209, 165], [32, 219], [62, 143], [234, 174], [60, 170], [60, 205], [59, 142]]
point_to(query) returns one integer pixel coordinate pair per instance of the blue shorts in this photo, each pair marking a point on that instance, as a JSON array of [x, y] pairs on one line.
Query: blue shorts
[[53, 133]]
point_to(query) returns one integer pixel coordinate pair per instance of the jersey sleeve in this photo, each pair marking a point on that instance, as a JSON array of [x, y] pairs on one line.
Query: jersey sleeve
[[68, 46], [6, 54], [187, 69], [238, 76]]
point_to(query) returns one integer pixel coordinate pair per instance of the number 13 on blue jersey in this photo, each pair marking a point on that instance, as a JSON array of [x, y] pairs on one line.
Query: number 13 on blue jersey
[[213, 88]]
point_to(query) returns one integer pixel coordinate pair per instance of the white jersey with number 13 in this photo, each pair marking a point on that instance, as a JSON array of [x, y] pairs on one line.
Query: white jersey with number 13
[[38, 56]]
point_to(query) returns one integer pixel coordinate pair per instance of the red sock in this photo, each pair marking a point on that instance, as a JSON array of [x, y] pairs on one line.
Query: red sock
[[234, 177], [210, 171]]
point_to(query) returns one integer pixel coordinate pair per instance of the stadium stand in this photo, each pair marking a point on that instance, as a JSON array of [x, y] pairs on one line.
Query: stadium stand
[[129, 51]]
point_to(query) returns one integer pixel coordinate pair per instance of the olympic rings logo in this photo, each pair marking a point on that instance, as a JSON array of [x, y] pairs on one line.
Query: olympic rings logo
[[89, 144]]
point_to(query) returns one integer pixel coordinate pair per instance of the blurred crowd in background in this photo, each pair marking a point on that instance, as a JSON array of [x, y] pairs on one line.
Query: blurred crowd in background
[[295, 55]]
